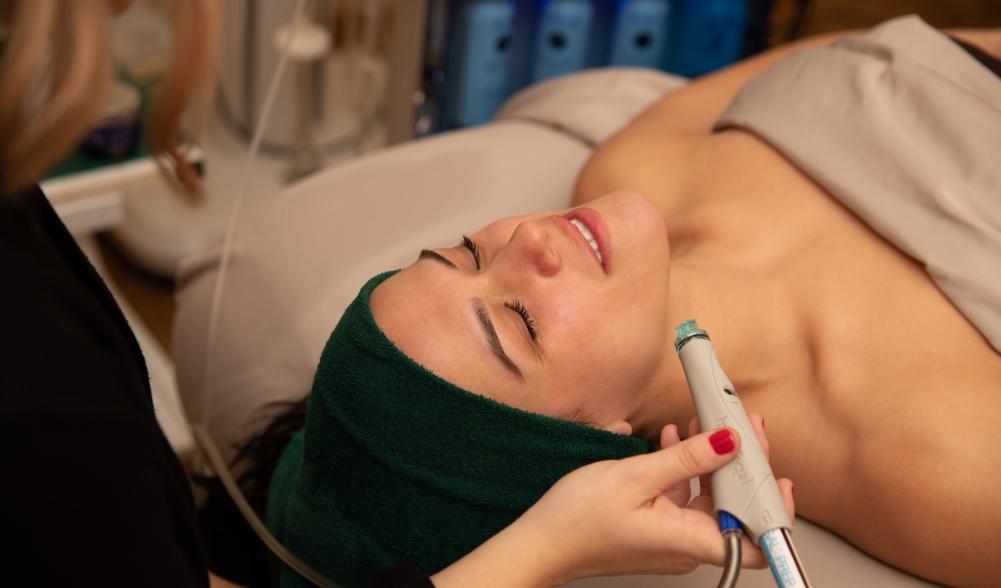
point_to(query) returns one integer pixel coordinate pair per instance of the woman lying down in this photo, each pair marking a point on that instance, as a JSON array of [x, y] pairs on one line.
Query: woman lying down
[[833, 222]]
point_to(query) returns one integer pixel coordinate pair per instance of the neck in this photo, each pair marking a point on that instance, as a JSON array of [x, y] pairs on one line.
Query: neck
[[714, 282]]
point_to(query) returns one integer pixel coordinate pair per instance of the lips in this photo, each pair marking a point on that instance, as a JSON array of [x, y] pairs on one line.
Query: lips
[[586, 233], [585, 222]]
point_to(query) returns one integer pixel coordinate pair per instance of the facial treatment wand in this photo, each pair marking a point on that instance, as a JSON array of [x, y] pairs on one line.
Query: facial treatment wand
[[745, 493]]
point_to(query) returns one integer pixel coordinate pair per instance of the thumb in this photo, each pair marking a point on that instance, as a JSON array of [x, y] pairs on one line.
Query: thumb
[[701, 454]]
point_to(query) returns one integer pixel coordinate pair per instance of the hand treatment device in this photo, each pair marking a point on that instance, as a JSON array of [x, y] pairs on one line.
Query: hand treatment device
[[745, 493]]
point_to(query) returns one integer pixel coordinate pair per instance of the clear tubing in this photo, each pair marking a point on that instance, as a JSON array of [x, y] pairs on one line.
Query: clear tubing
[[783, 559], [234, 213], [200, 429], [302, 568], [731, 569]]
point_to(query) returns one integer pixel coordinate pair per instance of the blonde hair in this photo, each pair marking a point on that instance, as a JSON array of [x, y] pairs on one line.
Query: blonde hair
[[56, 68]]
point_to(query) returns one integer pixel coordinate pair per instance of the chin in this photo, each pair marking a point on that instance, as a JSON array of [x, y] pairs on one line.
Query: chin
[[641, 215]]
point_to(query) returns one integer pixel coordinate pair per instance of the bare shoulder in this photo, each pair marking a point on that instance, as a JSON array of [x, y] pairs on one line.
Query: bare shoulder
[[987, 39], [672, 126]]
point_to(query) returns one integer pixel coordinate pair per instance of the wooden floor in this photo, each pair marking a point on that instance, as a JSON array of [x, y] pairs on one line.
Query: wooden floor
[[153, 297]]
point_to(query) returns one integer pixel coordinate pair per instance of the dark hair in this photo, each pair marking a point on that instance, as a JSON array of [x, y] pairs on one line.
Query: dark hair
[[258, 458], [232, 549]]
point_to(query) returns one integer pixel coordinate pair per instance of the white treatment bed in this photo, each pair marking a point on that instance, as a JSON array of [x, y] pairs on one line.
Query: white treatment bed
[[301, 256]]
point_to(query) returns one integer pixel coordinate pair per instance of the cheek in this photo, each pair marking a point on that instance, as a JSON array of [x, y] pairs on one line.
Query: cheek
[[604, 361]]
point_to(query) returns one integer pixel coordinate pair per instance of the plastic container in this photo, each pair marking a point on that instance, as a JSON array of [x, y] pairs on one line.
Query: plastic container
[[117, 133], [563, 38]]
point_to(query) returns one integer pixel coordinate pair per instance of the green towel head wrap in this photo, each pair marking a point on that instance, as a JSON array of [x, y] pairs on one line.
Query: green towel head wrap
[[395, 463]]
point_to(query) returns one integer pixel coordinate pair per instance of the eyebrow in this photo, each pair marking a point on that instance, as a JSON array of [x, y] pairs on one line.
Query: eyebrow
[[434, 255], [482, 316], [491, 333]]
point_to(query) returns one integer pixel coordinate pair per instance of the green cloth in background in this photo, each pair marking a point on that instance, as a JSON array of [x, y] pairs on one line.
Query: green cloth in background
[[395, 463], [79, 161]]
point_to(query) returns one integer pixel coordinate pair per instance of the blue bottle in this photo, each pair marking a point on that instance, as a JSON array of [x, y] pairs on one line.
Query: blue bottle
[[562, 42], [640, 33], [709, 35], [484, 42]]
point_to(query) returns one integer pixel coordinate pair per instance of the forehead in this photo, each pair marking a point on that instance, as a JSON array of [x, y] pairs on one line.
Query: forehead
[[425, 311]]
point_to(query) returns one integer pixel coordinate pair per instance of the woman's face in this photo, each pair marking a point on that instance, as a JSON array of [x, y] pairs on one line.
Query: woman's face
[[526, 311]]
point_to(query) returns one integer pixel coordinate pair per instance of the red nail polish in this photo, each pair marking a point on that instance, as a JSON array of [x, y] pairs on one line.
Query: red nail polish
[[722, 442]]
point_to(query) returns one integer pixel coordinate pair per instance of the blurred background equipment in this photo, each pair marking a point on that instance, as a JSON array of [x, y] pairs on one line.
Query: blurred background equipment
[[477, 53], [338, 101], [340, 57], [709, 34], [480, 52], [641, 33], [564, 37]]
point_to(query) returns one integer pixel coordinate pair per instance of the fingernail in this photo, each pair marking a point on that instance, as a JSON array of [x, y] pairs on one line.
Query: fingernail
[[722, 441], [794, 489], [762, 422]]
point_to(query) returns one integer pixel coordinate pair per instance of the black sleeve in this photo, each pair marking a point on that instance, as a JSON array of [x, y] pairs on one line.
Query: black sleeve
[[91, 494], [402, 575], [232, 549]]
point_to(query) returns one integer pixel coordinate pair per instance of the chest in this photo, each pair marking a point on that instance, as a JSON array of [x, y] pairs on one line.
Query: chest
[[873, 335]]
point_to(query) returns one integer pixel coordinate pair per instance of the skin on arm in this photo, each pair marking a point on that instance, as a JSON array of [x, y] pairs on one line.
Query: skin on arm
[[217, 582], [987, 39], [696, 107], [689, 112]]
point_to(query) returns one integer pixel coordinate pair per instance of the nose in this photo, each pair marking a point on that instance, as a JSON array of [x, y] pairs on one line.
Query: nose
[[531, 244]]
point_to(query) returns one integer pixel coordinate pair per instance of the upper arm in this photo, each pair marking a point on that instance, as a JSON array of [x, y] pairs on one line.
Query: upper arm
[[987, 39], [696, 107], [670, 126]]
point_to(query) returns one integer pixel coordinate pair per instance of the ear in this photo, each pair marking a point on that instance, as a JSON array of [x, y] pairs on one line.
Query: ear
[[619, 427]]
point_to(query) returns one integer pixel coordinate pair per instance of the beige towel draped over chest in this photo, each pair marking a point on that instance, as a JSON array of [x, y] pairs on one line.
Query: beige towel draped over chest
[[903, 127]]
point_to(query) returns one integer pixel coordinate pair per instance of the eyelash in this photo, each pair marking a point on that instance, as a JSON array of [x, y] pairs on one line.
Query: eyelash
[[523, 312], [516, 306], [473, 248]]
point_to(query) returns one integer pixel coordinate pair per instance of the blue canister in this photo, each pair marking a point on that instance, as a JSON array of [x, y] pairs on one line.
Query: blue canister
[[564, 34], [709, 34], [116, 135], [484, 42], [640, 34]]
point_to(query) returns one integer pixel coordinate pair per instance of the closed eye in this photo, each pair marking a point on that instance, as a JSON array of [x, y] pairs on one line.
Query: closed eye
[[473, 248], [527, 318], [516, 305]]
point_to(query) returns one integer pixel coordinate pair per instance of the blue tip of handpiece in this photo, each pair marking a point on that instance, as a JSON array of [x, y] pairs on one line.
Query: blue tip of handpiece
[[687, 330], [728, 522]]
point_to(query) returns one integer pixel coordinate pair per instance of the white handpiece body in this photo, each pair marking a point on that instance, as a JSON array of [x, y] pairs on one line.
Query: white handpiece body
[[745, 487]]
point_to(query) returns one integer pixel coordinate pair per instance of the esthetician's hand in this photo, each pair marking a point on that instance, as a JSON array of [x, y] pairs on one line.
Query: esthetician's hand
[[609, 518], [682, 493]]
